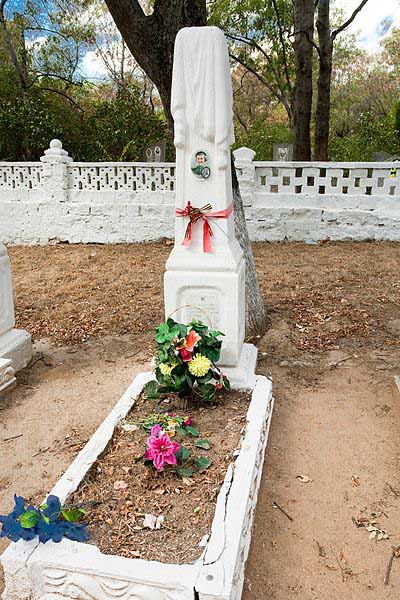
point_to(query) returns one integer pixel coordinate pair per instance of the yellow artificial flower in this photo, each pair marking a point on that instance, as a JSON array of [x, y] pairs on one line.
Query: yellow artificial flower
[[166, 369], [199, 365]]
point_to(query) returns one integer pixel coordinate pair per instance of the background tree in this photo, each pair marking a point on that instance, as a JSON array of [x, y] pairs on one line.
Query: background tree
[[326, 40]]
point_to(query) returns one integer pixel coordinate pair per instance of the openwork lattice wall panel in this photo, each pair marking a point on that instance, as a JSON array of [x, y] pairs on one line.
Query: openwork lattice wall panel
[[330, 179], [20, 176], [121, 176]]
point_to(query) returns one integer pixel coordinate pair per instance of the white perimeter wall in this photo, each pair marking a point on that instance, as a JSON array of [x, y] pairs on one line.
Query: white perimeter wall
[[60, 200]]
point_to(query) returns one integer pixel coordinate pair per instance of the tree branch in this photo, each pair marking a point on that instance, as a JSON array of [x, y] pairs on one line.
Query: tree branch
[[263, 81], [282, 40], [250, 42], [54, 76], [60, 93], [350, 20], [310, 41]]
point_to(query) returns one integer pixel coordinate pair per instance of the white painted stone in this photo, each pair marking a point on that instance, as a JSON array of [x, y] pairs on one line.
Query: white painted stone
[[75, 570], [15, 344], [7, 375], [205, 285], [242, 377]]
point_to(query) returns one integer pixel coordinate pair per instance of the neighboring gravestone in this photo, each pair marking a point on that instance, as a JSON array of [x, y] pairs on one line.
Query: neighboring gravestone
[[15, 344], [283, 152], [205, 276], [155, 152]]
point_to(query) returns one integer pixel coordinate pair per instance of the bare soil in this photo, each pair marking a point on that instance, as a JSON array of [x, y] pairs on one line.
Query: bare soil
[[333, 348], [117, 523]]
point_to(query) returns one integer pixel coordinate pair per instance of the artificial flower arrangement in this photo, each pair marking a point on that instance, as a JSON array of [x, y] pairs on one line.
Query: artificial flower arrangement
[[162, 450], [51, 521], [185, 360]]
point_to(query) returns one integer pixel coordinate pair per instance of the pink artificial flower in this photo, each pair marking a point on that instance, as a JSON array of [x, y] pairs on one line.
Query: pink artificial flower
[[187, 421], [185, 355], [161, 450], [172, 414], [156, 430]]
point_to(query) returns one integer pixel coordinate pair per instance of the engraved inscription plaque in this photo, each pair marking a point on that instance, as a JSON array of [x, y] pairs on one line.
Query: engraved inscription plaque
[[201, 304]]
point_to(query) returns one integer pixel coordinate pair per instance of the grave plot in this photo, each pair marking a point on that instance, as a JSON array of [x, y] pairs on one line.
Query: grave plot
[[199, 354]]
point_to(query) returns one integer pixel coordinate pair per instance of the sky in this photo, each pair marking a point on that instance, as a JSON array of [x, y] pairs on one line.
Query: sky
[[367, 27]]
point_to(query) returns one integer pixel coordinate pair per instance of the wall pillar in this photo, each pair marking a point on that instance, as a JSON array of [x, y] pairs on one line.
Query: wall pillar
[[55, 173], [245, 171]]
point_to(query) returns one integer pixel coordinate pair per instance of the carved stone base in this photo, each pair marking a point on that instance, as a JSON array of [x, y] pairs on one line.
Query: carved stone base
[[75, 570], [243, 377], [7, 376], [214, 297], [16, 345]]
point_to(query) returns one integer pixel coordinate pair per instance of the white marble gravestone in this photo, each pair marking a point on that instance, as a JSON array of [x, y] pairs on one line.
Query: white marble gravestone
[[15, 344], [205, 274]]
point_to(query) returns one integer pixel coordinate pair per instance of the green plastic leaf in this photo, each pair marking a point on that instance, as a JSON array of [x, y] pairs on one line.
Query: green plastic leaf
[[192, 430], [183, 454], [28, 519], [181, 431], [205, 444], [73, 514], [151, 390], [184, 472], [203, 462]]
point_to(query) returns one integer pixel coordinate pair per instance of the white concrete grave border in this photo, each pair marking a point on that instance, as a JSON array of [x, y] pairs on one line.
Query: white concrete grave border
[[69, 569]]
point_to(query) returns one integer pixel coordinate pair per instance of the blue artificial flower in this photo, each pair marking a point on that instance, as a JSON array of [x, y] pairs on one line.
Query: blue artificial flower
[[49, 525], [76, 532], [13, 529], [53, 508], [49, 531], [19, 507]]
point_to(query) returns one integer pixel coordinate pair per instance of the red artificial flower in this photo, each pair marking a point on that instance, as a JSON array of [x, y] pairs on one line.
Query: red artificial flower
[[186, 356]]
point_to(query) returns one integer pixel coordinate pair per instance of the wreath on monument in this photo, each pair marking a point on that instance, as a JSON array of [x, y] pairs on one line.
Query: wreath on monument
[[185, 362]]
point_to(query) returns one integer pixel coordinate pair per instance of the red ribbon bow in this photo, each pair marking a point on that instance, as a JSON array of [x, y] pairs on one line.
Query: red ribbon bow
[[195, 214]]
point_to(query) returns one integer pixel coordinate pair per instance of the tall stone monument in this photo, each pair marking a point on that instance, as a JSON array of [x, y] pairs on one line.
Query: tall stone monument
[[15, 344], [205, 277]]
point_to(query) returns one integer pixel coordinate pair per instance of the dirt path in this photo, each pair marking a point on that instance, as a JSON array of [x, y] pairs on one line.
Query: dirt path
[[343, 435], [333, 347]]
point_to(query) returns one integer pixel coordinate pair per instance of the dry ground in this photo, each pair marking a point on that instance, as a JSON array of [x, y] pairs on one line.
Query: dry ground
[[333, 347]]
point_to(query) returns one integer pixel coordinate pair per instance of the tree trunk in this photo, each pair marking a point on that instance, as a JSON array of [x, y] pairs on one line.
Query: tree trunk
[[256, 314], [151, 41], [322, 112], [12, 54], [302, 103]]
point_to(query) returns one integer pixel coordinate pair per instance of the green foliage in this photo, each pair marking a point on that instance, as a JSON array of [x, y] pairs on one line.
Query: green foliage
[[185, 358], [204, 444], [397, 118], [370, 135], [203, 463], [262, 136], [115, 129]]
